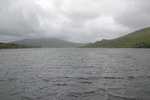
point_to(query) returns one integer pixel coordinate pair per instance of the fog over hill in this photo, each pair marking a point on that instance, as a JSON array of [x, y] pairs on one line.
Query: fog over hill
[[49, 42]]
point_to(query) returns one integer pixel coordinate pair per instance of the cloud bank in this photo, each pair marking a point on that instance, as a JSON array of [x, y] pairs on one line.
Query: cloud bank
[[72, 20]]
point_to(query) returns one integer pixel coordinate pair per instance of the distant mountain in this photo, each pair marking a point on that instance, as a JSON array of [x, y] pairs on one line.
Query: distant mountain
[[49, 42], [137, 39]]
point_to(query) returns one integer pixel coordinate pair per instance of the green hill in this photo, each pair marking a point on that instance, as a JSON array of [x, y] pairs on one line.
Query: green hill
[[137, 39]]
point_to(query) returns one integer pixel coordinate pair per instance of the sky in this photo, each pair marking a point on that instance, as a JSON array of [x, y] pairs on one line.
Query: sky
[[79, 21]]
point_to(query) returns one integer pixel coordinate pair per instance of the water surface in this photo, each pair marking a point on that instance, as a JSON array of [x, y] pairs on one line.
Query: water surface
[[75, 74]]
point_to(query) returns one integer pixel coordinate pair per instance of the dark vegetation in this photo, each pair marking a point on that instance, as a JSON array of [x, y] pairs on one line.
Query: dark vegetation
[[11, 45]]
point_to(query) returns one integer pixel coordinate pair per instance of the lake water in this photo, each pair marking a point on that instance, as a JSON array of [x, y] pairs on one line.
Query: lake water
[[75, 74]]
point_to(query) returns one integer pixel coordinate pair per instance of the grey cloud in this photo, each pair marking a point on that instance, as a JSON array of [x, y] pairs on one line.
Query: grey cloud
[[20, 20], [137, 16], [73, 20]]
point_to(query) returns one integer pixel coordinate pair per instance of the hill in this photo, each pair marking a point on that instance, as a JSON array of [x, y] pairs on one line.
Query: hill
[[49, 42], [137, 39]]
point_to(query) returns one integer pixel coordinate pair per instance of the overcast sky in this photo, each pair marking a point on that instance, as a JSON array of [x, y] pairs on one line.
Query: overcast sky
[[72, 20]]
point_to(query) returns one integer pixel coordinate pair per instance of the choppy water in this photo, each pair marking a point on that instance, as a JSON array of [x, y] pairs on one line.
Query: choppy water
[[75, 74]]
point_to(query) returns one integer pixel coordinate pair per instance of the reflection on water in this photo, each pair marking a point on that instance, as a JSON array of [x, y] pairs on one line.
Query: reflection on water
[[75, 74]]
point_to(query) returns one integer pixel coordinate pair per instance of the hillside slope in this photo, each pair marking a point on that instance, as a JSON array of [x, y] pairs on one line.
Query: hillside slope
[[48, 42], [137, 39]]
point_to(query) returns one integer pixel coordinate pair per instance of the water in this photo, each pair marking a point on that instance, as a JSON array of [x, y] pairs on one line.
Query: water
[[75, 74]]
